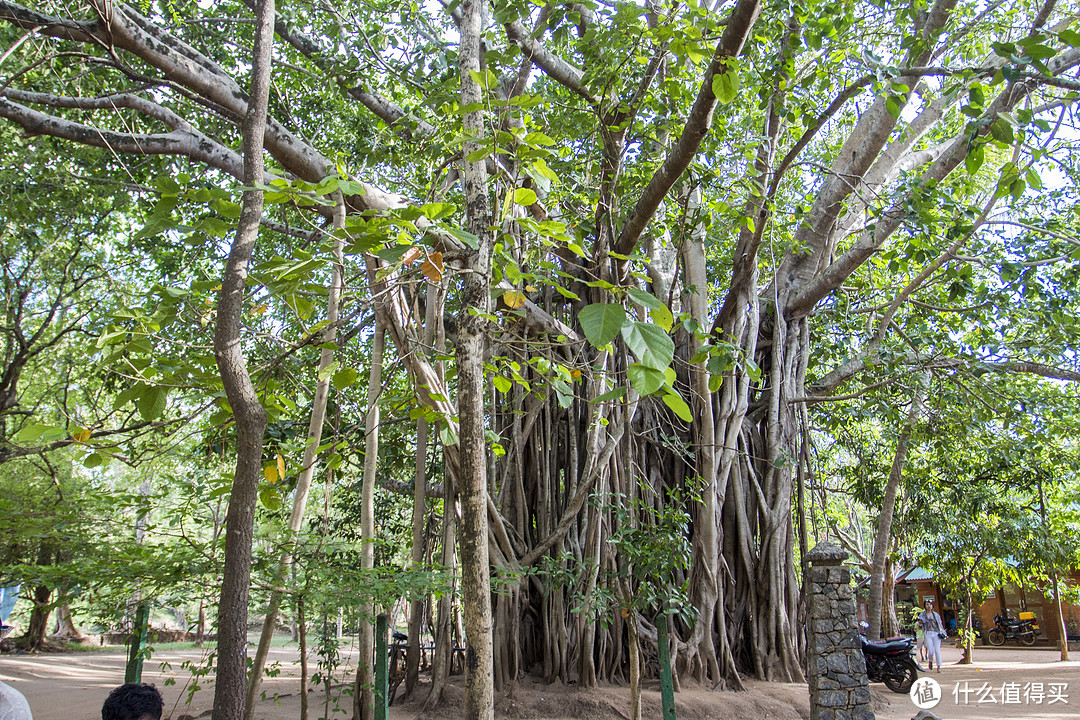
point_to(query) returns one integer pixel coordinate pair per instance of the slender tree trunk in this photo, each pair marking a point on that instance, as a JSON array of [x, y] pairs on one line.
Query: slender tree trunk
[[634, 648], [968, 637], [200, 626], [475, 299], [1059, 620], [307, 469], [442, 656], [416, 607], [247, 410], [1059, 617], [363, 696], [883, 538], [301, 627]]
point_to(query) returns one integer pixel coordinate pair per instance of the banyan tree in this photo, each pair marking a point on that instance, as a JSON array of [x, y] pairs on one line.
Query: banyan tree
[[621, 249]]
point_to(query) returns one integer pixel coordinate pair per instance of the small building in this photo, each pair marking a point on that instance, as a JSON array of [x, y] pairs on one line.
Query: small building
[[916, 585]]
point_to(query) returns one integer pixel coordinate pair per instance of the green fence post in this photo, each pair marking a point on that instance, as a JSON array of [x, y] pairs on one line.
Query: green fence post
[[133, 671], [382, 681], [667, 686]]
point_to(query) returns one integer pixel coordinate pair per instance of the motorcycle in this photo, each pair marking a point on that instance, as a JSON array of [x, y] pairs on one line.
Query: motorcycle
[[891, 662], [1025, 631]]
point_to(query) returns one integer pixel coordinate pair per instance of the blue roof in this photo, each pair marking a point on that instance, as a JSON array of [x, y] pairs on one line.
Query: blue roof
[[915, 574]]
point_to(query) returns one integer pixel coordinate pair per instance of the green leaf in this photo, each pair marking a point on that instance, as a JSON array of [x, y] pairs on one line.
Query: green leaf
[[725, 85], [437, 211], [151, 403], [753, 370], [466, 237], [974, 160], [447, 435], [566, 293], [343, 378], [1070, 36], [643, 298], [649, 343], [602, 322], [894, 104], [329, 370], [1002, 131], [678, 406], [646, 380], [30, 433], [524, 196], [502, 384], [614, 394], [270, 499]]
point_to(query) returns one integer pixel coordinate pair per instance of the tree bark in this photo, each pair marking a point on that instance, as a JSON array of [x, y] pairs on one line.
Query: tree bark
[[364, 695], [883, 538], [247, 410], [309, 464], [417, 605], [471, 343], [65, 624]]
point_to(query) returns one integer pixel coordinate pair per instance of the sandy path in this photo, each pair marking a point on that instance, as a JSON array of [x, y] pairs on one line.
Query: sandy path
[[72, 687], [994, 670]]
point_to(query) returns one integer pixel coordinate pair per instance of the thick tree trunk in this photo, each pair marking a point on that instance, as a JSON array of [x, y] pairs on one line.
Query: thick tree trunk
[[471, 343], [65, 624], [890, 624], [38, 626], [247, 410], [883, 539]]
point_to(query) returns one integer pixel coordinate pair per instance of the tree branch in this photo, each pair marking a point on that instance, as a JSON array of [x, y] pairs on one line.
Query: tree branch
[[555, 67], [697, 126], [189, 143]]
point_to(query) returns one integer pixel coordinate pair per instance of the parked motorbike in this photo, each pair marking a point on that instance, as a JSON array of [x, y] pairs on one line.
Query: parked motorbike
[[891, 662], [1024, 631]]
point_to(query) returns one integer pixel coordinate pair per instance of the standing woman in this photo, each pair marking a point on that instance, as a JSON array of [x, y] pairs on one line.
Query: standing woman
[[933, 629]]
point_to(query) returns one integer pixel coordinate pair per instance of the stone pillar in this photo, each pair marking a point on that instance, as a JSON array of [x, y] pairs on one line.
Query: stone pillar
[[836, 669]]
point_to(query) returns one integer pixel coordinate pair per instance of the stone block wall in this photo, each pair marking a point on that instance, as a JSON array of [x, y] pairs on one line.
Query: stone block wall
[[836, 670]]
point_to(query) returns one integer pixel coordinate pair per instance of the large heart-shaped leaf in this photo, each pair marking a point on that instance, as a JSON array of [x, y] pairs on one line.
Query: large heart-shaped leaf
[[602, 322], [649, 343], [646, 380]]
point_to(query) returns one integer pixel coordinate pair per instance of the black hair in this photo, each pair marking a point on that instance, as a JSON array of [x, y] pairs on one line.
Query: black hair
[[133, 702]]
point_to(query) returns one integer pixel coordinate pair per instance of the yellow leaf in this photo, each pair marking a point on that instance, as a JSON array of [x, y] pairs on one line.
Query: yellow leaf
[[281, 467], [270, 473], [81, 435], [432, 268], [513, 299]]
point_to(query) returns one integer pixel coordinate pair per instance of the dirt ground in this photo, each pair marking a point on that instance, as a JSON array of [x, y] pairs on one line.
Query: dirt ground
[[72, 687]]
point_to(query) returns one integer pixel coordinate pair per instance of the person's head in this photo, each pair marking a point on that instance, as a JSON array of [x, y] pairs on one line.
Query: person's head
[[133, 702], [928, 604]]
